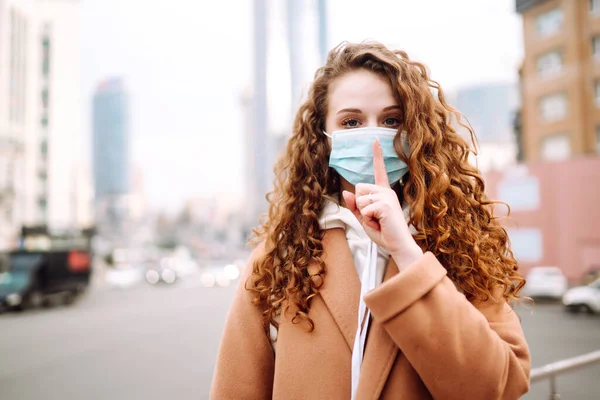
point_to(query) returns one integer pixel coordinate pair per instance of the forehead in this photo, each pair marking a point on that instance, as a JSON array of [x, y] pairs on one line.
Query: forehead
[[360, 89]]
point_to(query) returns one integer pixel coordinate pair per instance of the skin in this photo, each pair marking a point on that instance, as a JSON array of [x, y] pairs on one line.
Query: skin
[[361, 99]]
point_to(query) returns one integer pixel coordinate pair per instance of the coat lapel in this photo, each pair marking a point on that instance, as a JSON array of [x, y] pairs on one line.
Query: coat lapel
[[341, 292], [380, 354], [341, 286]]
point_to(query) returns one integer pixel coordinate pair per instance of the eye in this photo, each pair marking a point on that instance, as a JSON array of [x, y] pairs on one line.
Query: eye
[[351, 123], [392, 121]]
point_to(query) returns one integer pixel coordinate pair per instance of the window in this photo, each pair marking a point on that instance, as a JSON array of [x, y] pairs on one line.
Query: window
[[526, 243], [45, 97], [549, 23], [43, 204], [46, 56], [596, 47], [44, 147], [553, 107], [44, 121], [550, 64], [556, 147], [522, 194], [594, 6]]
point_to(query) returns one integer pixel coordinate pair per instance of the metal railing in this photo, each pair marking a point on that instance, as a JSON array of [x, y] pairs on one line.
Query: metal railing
[[550, 371]]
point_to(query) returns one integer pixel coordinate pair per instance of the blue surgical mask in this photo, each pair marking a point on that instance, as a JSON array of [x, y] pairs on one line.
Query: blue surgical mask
[[352, 154]]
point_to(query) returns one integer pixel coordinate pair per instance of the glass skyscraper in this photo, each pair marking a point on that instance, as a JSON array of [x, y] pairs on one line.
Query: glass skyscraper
[[111, 140]]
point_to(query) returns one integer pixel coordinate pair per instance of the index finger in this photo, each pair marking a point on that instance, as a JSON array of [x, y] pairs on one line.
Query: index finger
[[381, 176]]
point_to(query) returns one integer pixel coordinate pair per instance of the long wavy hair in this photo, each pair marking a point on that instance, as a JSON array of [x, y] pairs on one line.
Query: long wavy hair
[[448, 206]]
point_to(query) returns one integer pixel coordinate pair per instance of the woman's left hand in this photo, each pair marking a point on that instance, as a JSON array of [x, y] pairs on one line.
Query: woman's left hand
[[378, 209]]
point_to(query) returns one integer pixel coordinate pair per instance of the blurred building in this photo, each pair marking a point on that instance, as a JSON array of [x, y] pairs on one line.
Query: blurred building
[[84, 201], [554, 193], [259, 113], [254, 204], [213, 225], [17, 109], [60, 126], [300, 28], [560, 78], [111, 139], [323, 19], [111, 152], [554, 213], [40, 115], [490, 110], [138, 204]]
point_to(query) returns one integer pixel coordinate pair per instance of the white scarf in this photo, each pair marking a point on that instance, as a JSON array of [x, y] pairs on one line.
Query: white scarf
[[370, 261]]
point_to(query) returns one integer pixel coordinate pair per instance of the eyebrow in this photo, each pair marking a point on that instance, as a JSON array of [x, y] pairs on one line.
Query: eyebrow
[[358, 111]]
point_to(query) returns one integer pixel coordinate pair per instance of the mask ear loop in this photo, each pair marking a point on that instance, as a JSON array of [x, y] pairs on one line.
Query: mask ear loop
[[328, 135]]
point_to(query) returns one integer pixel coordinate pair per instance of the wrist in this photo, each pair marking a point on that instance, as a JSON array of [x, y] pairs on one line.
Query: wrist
[[405, 257]]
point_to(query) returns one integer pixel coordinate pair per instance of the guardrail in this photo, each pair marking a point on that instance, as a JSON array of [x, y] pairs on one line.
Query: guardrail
[[550, 371]]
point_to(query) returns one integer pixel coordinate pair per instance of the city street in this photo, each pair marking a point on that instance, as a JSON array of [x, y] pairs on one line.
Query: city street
[[150, 342]]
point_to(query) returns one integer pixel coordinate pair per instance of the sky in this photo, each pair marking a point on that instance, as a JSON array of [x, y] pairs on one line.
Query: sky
[[187, 62]]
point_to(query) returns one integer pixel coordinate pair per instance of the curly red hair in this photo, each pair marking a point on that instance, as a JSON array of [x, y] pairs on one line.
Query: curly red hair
[[446, 194]]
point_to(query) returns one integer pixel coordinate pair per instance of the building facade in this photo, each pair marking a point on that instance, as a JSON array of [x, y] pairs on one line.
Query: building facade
[[111, 159], [111, 139], [60, 123], [560, 78], [554, 214], [40, 117], [18, 31], [267, 130], [553, 195]]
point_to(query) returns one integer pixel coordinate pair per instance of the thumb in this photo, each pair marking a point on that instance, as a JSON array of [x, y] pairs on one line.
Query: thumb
[[350, 200]]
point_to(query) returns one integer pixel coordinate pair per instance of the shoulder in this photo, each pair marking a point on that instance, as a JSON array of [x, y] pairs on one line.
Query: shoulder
[[257, 253]]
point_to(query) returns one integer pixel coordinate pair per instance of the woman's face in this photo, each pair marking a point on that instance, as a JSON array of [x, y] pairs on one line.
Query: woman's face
[[360, 99]]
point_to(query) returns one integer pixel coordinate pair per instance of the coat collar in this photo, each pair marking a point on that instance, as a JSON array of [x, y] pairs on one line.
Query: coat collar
[[341, 286], [341, 292], [380, 354]]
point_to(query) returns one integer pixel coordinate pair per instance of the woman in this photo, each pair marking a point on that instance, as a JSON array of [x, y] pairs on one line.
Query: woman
[[382, 272]]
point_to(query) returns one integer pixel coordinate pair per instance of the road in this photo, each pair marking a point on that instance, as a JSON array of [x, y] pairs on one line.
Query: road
[[554, 335], [161, 342]]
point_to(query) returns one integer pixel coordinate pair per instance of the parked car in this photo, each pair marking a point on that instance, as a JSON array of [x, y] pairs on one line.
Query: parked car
[[546, 282], [161, 272], [35, 278], [219, 275], [123, 276], [591, 275], [583, 298]]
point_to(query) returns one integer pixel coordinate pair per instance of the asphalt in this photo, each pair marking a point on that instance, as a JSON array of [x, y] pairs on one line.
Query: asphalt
[[147, 342]]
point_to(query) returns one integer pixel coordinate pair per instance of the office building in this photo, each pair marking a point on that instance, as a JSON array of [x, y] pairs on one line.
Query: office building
[[111, 157], [303, 27], [17, 116], [560, 78], [111, 139], [59, 115]]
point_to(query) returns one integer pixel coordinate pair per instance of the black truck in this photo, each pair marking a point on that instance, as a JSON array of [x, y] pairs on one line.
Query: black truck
[[31, 278], [36, 278]]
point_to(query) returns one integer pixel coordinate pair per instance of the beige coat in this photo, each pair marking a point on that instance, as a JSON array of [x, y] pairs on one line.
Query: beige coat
[[425, 340]]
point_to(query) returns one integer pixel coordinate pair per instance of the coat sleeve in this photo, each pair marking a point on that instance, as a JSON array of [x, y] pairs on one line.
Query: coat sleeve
[[245, 363], [461, 350]]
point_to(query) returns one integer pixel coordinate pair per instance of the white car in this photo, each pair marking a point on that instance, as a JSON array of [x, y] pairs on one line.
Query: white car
[[583, 298], [547, 282]]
